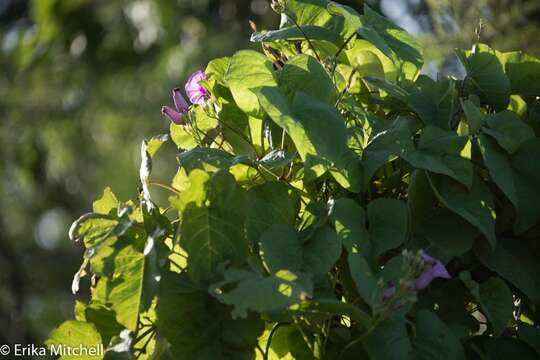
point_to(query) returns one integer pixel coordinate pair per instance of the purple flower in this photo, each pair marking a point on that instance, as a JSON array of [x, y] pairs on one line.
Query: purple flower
[[433, 269], [195, 92], [389, 291], [181, 105]]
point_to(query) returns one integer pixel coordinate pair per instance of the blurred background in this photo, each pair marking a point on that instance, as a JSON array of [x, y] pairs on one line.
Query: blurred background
[[81, 84]]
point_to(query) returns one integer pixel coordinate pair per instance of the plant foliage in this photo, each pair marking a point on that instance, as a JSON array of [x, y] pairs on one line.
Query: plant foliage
[[311, 186]]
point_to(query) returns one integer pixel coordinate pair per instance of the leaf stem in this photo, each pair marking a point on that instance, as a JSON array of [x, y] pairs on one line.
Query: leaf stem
[[163, 186], [345, 44], [269, 341], [305, 36]]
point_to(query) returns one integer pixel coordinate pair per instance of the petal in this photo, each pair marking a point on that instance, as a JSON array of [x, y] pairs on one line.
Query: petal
[[428, 259], [432, 271], [423, 280], [388, 292], [195, 92], [179, 102], [439, 271], [197, 97], [173, 115]]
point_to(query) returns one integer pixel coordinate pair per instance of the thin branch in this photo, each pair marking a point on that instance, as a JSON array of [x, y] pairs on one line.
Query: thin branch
[[305, 36]]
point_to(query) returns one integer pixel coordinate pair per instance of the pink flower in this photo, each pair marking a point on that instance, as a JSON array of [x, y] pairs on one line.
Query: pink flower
[[181, 105], [433, 269], [195, 92]]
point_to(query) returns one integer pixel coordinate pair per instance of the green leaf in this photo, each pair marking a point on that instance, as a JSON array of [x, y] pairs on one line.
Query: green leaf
[[433, 101], [293, 33], [439, 152], [313, 12], [276, 159], [386, 145], [524, 73], [304, 73], [107, 203], [527, 178], [235, 128], [262, 294], [508, 129], [198, 327], [319, 134], [474, 116], [349, 220], [249, 70], [212, 228], [434, 340], [95, 228], [322, 251], [405, 51], [207, 159], [389, 87], [217, 68], [500, 167], [363, 278], [75, 334], [155, 143], [104, 319], [531, 335], [497, 303], [370, 61], [449, 234], [389, 341], [270, 203], [388, 224], [421, 201], [181, 136], [280, 249], [476, 205], [338, 307], [485, 76], [120, 264], [514, 263], [504, 348]]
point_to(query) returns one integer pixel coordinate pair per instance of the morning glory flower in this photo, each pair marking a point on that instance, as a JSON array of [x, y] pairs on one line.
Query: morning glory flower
[[195, 92], [181, 105], [433, 269], [389, 291]]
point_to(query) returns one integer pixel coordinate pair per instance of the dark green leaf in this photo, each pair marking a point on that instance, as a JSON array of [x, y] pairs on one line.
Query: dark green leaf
[[198, 327], [531, 335], [497, 303], [263, 294], [312, 32], [363, 278], [322, 251], [508, 129], [515, 264], [434, 340], [388, 224], [268, 204], [212, 229], [524, 73], [439, 152], [433, 101], [485, 76], [389, 341], [349, 220], [499, 166], [280, 249], [476, 206]]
